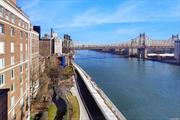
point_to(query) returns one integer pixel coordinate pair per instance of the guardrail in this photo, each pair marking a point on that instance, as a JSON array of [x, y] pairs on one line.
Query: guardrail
[[106, 100]]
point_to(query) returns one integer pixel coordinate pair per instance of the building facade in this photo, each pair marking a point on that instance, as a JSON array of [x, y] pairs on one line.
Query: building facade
[[57, 44], [34, 62], [177, 49], [50, 45], [38, 30], [44, 46], [14, 60], [67, 43]]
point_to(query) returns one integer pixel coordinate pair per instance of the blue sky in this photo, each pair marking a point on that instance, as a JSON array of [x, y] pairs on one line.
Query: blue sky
[[105, 21]]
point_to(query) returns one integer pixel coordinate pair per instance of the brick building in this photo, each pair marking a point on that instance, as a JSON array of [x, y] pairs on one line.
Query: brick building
[[44, 46], [14, 60], [34, 62], [50, 44]]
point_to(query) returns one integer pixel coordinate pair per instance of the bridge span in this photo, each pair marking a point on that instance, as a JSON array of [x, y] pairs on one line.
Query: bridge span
[[139, 46]]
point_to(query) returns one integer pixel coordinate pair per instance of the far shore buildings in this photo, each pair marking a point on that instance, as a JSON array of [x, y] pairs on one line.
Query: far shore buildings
[[14, 59], [177, 48]]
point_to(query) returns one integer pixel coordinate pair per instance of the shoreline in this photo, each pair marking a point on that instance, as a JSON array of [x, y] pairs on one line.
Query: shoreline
[[150, 59]]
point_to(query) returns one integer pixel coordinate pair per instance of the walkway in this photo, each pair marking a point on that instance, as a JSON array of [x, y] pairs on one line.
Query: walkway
[[83, 113]]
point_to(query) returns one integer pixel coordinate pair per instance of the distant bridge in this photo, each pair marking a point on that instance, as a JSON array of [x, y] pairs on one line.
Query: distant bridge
[[140, 41], [137, 46]]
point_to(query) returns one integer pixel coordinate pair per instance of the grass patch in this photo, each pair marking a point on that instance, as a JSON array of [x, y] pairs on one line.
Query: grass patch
[[31, 117], [67, 72], [75, 107], [52, 112]]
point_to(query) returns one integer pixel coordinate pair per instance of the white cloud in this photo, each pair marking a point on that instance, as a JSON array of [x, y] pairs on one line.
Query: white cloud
[[128, 12], [30, 4]]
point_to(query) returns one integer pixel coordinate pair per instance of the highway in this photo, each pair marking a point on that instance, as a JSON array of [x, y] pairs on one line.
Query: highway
[[92, 108]]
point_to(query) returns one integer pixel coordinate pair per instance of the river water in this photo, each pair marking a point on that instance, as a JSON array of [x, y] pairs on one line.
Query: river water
[[141, 90]]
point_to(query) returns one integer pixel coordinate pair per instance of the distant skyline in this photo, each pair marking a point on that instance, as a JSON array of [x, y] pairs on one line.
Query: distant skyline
[[105, 21]]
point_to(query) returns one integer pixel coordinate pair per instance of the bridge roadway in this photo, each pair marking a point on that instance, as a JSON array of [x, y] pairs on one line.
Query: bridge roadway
[[97, 104], [120, 47]]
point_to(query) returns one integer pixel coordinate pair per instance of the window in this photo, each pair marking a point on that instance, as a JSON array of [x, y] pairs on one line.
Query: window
[[21, 68], [26, 26], [2, 47], [2, 63], [26, 55], [21, 57], [21, 78], [12, 31], [1, 28], [26, 36], [21, 91], [21, 47], [26, 75], [26, 47], [19, 22], [7, 15], [26, 65], [1, 11], [13, 18], [13, 87], [12, 101], [23, 24], [12, 60], [12, 47], [12, 74], [2, 79], [21, 34]]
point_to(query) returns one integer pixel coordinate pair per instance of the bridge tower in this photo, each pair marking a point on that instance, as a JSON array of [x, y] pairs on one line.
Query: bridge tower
[[176, 47], [132, 49], [142, 50]]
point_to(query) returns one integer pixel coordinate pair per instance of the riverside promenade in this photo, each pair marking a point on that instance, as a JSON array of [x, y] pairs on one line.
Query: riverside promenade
[[108, 109]]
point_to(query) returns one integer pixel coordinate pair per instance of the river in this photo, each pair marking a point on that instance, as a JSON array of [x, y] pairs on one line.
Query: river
[[141, 90]]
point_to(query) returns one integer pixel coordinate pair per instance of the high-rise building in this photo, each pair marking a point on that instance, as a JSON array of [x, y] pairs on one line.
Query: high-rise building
[[57, 44], [67, 43], [177, 48], [14, 58], [38, 30]]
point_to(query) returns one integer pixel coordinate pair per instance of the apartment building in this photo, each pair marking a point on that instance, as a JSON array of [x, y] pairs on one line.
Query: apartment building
[[67, 43], [50, 44], [57, 44], [44, 46], [34, 62], [14, 60]]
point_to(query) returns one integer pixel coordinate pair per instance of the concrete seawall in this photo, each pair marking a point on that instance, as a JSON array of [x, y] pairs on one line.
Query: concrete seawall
[[104, 103]]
